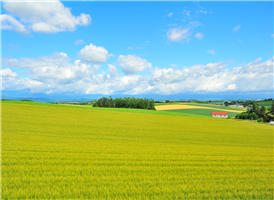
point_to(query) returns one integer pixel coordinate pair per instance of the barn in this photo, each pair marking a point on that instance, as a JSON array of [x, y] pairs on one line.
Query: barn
[[219, 114]]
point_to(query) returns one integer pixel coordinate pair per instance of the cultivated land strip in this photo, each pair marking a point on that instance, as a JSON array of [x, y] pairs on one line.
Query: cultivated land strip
[[205, 112], [221, 107], [176, 107], [53, 152]]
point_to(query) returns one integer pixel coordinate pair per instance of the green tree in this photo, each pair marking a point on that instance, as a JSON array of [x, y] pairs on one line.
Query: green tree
[[272, 108], [263, 110]]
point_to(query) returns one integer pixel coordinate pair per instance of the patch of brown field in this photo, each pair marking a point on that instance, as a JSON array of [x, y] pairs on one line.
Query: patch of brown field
[[177, 107]]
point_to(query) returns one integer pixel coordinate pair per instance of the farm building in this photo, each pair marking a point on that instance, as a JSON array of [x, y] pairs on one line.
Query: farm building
[[219, 114]]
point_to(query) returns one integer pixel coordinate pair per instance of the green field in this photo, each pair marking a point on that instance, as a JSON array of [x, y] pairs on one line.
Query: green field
[[204, 112], [133, 110], [62, 152], [265, 103]]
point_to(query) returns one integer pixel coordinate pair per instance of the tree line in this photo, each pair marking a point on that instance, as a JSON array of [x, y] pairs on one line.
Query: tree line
[[125, 103], [262, 114]]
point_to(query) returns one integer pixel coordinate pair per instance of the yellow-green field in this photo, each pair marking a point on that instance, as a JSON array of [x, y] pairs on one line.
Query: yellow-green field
[[51, 152]]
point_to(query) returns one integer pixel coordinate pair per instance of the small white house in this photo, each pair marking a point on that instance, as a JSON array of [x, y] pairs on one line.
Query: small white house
[[271, 123], [219, 114]]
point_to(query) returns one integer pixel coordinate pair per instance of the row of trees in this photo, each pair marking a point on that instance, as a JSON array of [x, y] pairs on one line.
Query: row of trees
[[125, 103], [258, 113]]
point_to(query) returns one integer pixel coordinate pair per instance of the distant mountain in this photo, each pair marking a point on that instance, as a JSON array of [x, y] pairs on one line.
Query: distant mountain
[[41, 97]]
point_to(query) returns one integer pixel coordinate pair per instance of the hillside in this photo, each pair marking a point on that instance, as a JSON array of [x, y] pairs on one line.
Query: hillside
[[61, 152]]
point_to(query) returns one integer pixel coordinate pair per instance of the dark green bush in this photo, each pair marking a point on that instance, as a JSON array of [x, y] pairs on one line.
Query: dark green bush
[[260, 120]]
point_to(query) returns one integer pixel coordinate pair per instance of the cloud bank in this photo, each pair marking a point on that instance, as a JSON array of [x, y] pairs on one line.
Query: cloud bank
[[57, 74]]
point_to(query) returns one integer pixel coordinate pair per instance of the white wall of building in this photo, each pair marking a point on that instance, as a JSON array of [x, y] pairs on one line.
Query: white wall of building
[[220, 116]]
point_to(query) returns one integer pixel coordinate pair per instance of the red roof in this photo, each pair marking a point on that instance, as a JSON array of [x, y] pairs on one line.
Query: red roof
[[219, 113]]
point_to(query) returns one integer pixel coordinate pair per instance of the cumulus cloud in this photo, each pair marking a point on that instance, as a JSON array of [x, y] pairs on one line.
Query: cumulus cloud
[[200, 36], [235, 29], [210, 51], [43, 61], [8, 73], [77, 42], [93, 54], [112, 69], [132, 64], [56, 74], [10, 23], [42, 17], [178, 34], [231, 86]]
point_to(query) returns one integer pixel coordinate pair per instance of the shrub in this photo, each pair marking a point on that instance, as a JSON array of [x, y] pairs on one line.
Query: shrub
[[260, 120]]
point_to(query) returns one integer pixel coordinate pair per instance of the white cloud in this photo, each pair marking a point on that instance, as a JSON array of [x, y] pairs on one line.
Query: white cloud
[[44, 17], [178, 34], [93, 54], [77, 42], [231, 86], [272, 35], [55, 59], [211, 51], [170, 14], [200, 36], [183, 35], [55, 74], [112, 69], [7, 72], [10, 23], [95, 69], [235, 29], [132, 64], [186, 12], [206, 12], [195, 24], [173, 65]]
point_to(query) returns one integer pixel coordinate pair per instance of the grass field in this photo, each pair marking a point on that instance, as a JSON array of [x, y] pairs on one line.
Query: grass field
[[204, 112], [133, 110], [62, 152], [265, 103]]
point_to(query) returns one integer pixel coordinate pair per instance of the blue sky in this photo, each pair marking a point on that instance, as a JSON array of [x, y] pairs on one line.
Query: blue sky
[[133, 48]]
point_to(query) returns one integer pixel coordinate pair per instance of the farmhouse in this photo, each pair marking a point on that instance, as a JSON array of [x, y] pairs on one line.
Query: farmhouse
[[219, 114]]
